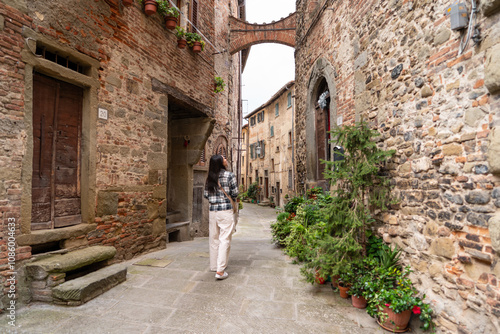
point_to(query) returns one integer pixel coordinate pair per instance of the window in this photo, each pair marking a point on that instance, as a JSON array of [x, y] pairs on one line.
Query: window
[[243, 160], [193, 15], [272, 165], [289, 100], [272, 131], [290, 139], [260, 117], [290, 179], [277, 109], [252, 121], [243, 136], [251, 152], [262, 145], [277, 148]]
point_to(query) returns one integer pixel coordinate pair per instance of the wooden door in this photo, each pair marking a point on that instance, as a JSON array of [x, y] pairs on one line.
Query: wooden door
[[57, 112], [320, 141], [278, 194]]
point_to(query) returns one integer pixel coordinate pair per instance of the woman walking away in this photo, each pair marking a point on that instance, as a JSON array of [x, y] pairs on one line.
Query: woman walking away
[[219, 186]]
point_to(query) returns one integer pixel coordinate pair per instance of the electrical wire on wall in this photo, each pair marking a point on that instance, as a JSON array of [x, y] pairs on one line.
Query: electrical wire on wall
[[470, 28]]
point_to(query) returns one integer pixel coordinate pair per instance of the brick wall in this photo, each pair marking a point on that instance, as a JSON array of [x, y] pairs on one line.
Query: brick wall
[[134, 52], [396, 65]]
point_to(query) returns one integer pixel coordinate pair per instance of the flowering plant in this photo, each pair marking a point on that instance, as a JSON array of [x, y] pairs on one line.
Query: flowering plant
[[400, 297]]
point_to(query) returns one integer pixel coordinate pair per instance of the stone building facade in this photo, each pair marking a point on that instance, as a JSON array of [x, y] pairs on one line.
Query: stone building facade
[[398, 65], [103, 122], [269, 153]]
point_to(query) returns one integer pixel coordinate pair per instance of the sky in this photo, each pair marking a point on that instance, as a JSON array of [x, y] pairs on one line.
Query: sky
[[269, 66]]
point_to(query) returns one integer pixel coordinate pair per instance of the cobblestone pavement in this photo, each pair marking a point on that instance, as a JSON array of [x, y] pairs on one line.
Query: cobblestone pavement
[[177, 293]]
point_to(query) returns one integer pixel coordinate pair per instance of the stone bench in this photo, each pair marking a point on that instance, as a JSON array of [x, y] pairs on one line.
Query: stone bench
[[51, 271], [178, 231], [85, 288]]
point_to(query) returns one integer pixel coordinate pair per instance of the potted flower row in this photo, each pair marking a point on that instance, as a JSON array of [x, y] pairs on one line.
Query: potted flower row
[[170, 13], [386, 291], [190, 38]]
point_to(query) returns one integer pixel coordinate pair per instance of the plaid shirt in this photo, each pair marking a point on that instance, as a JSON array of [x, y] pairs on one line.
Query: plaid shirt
[[218, 200]]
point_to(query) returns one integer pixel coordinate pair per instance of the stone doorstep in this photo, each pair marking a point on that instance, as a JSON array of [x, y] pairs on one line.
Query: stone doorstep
[[85, 288], [62, 263]]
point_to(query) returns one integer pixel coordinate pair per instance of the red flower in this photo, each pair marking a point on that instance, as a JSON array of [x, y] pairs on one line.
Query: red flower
[[387, 305], [416, 309]]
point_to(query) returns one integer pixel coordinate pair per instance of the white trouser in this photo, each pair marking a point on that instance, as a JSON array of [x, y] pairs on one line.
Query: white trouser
[[221, 225]]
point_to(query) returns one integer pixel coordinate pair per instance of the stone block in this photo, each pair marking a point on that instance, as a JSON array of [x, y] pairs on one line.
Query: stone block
[[443, 247], [489, 7], [473, 116], [442, 36], [492, 69], [426, 92], [494, 228], [157, 160], [494, 151], [107, 203], [421, 165], [452, 149], [61, 263], [114, 80], [85, 288]]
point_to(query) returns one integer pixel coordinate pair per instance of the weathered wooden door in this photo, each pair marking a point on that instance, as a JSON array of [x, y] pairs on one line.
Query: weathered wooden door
[[57, 113], [321, 140]]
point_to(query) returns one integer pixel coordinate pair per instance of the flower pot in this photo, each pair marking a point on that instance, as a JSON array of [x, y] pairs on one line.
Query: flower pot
[[181, 43], [127, 3], [318, 279], [170, 22], [197, 49], [395, 322], [150, 7], [359, 301], [343, 291]]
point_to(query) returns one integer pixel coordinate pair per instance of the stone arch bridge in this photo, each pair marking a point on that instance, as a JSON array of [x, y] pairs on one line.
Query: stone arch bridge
[[244, 34]]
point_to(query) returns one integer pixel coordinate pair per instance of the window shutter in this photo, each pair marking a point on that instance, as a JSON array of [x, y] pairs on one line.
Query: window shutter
[[277, 109], [272, 131], [289, 99], [262, 149], [194, 14], [251, 151]]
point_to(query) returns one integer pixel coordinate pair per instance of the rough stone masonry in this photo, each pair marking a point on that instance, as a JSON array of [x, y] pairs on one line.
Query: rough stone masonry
[[396, 65]]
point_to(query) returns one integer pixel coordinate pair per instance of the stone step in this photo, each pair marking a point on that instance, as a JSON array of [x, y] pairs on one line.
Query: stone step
[[176, 226], [63, 263], [173, 216], [83, 289]]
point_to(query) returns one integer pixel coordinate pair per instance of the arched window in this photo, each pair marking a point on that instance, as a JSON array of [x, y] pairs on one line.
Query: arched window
[[220, 146]]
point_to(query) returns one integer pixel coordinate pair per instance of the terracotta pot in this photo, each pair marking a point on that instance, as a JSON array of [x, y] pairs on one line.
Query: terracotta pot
[[170, 22], [127, 3], [181, 43], [197, 49], [395, 322], [359, 301], [343, 291], [150, 7]]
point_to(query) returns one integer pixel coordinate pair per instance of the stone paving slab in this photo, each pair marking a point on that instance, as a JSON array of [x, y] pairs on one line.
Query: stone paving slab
[[264, 293]]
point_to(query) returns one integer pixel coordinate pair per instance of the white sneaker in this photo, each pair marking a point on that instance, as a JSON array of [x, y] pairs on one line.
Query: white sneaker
[[223, 276]]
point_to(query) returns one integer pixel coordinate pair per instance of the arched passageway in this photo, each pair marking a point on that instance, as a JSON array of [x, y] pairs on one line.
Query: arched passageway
[[244, 34]]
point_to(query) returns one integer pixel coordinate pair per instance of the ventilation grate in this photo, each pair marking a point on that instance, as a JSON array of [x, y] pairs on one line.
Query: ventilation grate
[[65, 61]]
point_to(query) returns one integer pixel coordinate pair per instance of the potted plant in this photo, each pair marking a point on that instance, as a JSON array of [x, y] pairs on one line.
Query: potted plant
[[150, 6], [219, 87], [363, 274], [393, 304], [169, 12], [180, 33], [195, 42]]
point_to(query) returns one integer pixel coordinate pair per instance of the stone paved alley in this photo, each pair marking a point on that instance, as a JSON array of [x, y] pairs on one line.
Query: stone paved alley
[[176, 293]]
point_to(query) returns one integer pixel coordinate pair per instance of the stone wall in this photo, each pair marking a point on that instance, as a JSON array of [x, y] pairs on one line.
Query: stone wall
[[396, 64], [143, 81]]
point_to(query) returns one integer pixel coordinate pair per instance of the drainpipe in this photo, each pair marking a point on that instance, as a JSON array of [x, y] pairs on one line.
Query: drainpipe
[[238, 158], [293, 139]]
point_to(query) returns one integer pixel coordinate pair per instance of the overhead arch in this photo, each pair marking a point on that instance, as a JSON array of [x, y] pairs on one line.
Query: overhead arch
[[244, 34]]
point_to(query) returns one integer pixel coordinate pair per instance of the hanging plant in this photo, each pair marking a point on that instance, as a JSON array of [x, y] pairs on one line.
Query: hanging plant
[[150, 6], [219, 85], [170, 13], [180, 33], [194, 41]]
